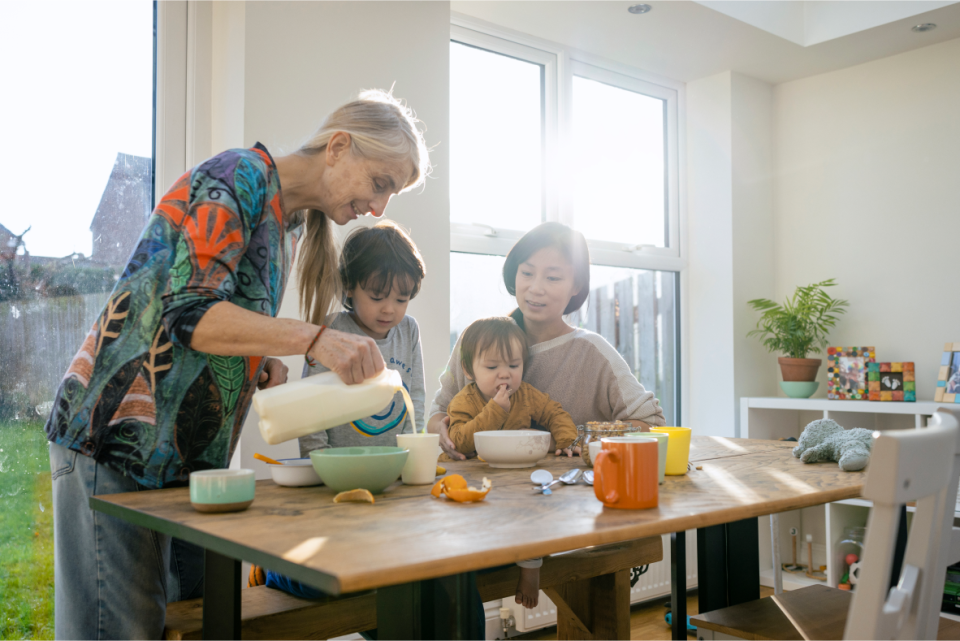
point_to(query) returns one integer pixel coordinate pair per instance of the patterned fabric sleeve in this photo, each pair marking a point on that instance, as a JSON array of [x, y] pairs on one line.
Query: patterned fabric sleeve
[[225, 204]]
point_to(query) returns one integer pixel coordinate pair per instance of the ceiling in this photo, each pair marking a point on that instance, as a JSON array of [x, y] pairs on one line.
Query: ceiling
[[687, 40]]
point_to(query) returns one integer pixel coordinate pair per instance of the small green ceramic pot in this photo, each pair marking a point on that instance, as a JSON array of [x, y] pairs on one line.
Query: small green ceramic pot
[[799, 389], [222, 490]]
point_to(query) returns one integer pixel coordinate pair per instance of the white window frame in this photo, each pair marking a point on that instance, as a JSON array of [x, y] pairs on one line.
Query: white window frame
[[185, 43], [560, 64]]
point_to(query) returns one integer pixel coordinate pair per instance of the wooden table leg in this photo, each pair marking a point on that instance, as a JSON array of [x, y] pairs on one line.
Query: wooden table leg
[[444, 608], [221, 596], [595, 608], [711, 568], [678, 585], [743, 561], [398, 609]]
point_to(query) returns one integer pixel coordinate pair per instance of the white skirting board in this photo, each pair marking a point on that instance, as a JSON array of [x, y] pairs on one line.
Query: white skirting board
[[652, 584]]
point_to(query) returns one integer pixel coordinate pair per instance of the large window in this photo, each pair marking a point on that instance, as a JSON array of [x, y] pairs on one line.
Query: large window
[[78, 172], [540, 133]]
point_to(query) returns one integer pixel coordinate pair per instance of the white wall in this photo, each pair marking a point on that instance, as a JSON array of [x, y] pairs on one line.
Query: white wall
[[730, 236], [867, 191], [280, 67]]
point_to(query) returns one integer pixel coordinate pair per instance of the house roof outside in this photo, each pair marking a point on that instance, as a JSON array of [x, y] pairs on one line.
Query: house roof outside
[[127, 193], [123, 210]]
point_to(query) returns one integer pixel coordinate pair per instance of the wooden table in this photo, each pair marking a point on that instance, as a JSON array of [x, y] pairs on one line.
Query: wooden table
[[408, 536]]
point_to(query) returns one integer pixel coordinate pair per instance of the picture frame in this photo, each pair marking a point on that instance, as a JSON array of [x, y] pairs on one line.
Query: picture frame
[[847, 372], [891, 382], [948, 379]]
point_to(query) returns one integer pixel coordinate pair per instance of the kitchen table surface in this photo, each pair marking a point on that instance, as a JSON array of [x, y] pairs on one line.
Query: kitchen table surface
[[408, 535]]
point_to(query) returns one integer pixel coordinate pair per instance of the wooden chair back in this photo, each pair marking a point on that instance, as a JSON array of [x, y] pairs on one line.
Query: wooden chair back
[[906, 466]]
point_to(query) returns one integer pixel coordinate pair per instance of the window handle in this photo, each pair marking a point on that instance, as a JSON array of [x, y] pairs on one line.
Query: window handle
[[491, 231]]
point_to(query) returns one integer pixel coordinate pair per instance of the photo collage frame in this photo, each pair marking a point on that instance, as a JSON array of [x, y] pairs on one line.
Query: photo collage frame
[[948, 380], [847, 372]]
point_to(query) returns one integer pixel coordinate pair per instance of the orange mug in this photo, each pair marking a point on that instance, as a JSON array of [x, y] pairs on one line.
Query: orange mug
[[626, 472]]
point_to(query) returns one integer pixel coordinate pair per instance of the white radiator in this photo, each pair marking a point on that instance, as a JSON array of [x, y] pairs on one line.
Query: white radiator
[[651, 584]]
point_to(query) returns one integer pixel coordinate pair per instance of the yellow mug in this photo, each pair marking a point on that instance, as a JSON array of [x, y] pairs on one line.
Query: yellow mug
[[678, 448]]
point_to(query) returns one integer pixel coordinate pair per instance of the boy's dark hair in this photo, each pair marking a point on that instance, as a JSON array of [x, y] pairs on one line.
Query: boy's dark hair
[[378, 258], [498, 332]]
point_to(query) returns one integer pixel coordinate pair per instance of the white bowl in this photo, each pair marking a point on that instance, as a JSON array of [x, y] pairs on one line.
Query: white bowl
[[295, 472], [512, 448]]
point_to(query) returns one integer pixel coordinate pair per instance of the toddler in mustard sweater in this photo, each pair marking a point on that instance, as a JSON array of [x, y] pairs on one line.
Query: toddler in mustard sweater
[[493, 352]]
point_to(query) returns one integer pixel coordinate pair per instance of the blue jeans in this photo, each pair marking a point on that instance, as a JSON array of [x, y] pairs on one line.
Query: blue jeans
[[112, 579]]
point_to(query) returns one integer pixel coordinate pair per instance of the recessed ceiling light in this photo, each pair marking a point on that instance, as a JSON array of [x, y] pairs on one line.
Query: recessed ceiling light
[[926, 26], [640, 8]]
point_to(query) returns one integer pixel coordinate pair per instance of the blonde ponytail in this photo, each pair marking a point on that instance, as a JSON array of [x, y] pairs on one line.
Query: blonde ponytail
[[380, 127], [319, 265]]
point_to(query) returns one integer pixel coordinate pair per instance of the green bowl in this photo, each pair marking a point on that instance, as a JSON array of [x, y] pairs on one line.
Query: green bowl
[[799, 389], [370, 468]]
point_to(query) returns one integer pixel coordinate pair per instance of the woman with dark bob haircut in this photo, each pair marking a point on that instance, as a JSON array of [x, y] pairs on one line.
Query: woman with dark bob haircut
[[548, 271]]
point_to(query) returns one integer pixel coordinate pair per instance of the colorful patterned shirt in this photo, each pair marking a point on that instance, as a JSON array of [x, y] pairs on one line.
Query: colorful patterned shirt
[[136, 397]]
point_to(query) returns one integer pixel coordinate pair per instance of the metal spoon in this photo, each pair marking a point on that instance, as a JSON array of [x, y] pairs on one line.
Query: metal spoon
[[588, 477], [567, 478]]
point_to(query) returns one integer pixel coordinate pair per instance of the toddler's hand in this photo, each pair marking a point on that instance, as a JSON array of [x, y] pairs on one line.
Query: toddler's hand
[[568, 451], [503, 398]]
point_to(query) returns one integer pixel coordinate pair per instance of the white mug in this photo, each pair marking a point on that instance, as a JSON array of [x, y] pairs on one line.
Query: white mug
[[421, 465]]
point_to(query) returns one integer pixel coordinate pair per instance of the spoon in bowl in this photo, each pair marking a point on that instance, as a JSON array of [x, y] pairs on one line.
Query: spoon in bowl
[[266, 459]]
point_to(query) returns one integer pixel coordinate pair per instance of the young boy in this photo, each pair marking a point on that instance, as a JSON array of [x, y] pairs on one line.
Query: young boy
[[380, 271], [493, 352]]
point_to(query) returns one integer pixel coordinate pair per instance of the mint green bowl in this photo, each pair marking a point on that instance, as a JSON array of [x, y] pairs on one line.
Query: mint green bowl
[[222, 490], [799, 389], [370, 468]]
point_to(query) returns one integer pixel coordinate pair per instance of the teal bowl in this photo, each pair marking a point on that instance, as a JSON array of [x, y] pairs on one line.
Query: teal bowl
[[799, 389], [370, 468], [222, 490]]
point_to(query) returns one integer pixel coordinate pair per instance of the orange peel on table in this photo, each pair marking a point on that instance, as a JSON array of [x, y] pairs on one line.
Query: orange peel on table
[[454, 487], [441, 471], [354, 496]]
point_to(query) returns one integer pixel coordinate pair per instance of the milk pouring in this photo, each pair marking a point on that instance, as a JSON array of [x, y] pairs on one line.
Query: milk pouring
[[323, 401]]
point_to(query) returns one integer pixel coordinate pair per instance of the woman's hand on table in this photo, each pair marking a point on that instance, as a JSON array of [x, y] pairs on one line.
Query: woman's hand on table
[[354, 358], [440, 424], [274, 373]]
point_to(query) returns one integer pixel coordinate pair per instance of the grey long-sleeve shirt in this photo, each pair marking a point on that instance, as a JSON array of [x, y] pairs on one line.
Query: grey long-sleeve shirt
[[401, 351]]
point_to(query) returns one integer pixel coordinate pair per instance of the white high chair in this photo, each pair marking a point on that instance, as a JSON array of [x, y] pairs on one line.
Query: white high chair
[[921, 465], [910, 465]]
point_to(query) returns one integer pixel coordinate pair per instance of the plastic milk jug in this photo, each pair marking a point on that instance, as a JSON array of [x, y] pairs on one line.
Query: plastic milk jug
[[320, 402]]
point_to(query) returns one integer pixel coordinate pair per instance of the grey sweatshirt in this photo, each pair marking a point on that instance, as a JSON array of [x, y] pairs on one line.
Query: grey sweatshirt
[[401, 351]]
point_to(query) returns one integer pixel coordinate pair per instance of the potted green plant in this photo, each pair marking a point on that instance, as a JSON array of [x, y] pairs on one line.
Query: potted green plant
[[797, 328]]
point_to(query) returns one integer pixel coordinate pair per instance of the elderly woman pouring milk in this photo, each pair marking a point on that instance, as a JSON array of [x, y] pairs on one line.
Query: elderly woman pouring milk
[[163, 381]]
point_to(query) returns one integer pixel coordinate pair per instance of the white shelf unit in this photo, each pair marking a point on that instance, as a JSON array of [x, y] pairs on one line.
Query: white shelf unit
[[775, 418]]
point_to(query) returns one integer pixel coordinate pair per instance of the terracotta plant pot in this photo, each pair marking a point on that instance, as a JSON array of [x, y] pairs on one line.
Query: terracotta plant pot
[[799, 369]]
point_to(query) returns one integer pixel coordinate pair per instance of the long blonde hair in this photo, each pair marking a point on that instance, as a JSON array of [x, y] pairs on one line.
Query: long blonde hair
[[380, 127]]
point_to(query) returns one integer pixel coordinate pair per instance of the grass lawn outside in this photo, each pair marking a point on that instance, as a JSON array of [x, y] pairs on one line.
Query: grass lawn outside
[[26, 533]]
